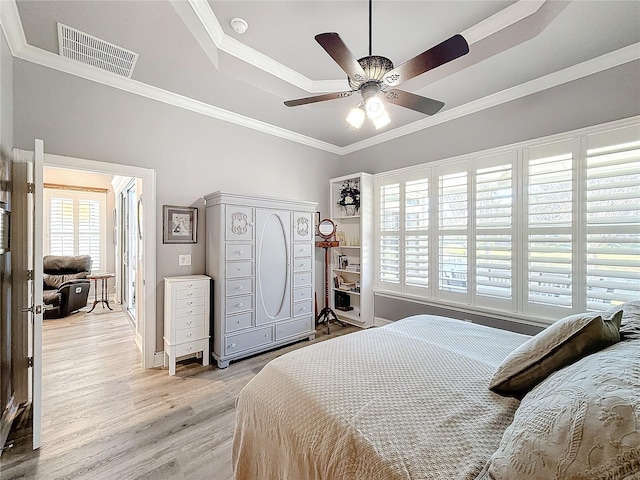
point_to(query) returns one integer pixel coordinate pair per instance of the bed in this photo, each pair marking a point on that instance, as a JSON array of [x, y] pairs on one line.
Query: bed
[[410, 400]]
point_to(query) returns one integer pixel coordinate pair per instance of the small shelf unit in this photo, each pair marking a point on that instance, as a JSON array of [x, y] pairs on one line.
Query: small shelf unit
[[355, 233]]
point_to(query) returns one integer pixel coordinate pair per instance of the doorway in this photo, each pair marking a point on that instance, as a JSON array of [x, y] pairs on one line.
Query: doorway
[[128, 247]]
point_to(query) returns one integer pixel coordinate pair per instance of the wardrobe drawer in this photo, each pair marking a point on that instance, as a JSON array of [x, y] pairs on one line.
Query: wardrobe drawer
[[243, 251], [188, 322], [300, 294], [190, 302], [302, 279], [247, 340], [238, 287], [295, 327], [190, 334], [302, 308], [239, 304], [301, 264], [192, 311], [190, 293], [191, 347], [239, 269], [237, 322], [302, 250]]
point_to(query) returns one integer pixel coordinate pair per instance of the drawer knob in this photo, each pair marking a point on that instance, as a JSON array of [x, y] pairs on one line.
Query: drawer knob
[[189, 335], [239, 287], [238, 322], [232, 345], [266, 335], [239, 305], [189, 302], [190, 285], [190, 294], [190, 312], [240, 252], [189, 322]]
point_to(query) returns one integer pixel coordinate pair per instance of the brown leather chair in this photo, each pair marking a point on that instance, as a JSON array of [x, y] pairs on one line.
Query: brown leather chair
[[65, 288]]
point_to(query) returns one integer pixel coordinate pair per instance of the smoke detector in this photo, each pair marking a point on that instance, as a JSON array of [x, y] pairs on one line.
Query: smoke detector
[[239, 25]]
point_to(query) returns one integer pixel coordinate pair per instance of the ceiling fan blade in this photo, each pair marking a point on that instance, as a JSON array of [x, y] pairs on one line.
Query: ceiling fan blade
[[336, 48], [442, 53], [415, 102], [317, 98]]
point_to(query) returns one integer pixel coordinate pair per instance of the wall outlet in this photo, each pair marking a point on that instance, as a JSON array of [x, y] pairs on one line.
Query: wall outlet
[[184, 260]]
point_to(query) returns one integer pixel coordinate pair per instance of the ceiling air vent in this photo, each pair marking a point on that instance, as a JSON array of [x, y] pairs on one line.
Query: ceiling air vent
[[88, 49]]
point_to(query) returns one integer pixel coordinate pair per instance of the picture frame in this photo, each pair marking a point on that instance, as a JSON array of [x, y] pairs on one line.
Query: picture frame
[[179, 224]]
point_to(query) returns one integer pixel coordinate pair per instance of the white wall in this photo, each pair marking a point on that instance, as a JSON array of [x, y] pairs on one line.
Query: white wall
[[193, 155]]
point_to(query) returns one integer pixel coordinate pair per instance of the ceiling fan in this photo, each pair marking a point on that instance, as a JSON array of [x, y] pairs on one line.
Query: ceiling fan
[[374, 76]]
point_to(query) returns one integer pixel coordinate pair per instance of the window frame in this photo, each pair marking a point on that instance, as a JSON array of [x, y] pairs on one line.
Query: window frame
[[518, 307], [76, 196]]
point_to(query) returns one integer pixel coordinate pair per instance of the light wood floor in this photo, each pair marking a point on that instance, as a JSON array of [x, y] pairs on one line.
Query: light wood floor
[[105, 418]]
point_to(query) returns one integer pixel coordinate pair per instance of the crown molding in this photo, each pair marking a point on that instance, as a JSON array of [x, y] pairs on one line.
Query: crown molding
[[221, 41], [12, 28]]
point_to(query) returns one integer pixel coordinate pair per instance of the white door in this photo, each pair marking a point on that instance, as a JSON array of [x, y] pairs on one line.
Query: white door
[[27, 269]]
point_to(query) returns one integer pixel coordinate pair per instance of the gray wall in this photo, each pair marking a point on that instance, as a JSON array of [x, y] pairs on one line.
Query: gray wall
[[607, 96], [193, 155]]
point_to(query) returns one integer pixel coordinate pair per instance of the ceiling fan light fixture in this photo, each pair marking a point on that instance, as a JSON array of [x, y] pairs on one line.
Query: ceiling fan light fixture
[[374, 107], [356, 117], [381, 121]]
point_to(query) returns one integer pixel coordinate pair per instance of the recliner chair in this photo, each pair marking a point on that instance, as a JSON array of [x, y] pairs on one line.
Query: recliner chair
[[65, 288]]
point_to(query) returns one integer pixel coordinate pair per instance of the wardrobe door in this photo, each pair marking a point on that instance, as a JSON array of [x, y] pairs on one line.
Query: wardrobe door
[[273, 265]]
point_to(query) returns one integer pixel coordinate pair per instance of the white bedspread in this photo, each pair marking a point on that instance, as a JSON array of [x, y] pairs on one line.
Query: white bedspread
[[406, 401]]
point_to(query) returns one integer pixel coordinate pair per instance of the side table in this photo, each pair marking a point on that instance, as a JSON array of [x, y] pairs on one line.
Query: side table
[[104, 297]]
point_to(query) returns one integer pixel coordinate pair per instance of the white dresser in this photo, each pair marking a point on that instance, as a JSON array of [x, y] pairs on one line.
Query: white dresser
[[260, 252], [186, 318]]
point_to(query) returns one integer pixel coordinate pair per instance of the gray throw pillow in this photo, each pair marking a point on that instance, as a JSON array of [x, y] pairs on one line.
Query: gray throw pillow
[[630, 326], [560, 344]]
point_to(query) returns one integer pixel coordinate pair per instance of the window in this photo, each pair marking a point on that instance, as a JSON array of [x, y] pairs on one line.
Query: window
[[541, 230], [75, 224]]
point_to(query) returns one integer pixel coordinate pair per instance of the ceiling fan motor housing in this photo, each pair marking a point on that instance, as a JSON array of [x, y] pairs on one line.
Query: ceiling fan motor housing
[[375, 67]]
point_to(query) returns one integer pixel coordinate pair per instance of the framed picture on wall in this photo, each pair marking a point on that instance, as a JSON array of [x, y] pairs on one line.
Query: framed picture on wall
[[179, 224]]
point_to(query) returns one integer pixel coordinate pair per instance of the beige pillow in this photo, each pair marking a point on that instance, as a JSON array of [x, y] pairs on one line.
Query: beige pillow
[[560, 344], [581, 423]]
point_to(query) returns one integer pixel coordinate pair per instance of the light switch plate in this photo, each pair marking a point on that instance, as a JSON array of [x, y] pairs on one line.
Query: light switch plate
[[184, 260]]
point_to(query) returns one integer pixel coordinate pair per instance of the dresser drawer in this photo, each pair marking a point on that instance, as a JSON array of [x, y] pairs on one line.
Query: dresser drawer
[[191, 285], [247, 340], [302, 279], [242, 251], [188, 322], [238, 287], [233, 323], [193, 311], [190, 302], [302, 250], [301, 264], [300, 294], [302, 308], [190, 293], [239, 304], [191, 347], [294, 327], [239, 269], [190, 334]]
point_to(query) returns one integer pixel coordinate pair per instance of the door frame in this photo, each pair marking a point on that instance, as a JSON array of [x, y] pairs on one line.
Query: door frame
[[148, 176]]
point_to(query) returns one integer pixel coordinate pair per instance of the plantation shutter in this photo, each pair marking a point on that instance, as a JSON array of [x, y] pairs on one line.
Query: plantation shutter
[[453, 236], [550, 235], [389, 235], [613, 218], [75, 224], [494, 194], [416, 233]]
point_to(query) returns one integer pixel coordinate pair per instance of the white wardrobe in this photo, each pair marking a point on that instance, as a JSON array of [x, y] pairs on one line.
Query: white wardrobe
[[260, 254]]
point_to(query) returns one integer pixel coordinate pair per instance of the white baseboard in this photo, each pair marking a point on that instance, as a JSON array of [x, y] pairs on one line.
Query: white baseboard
[[381, 322]]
